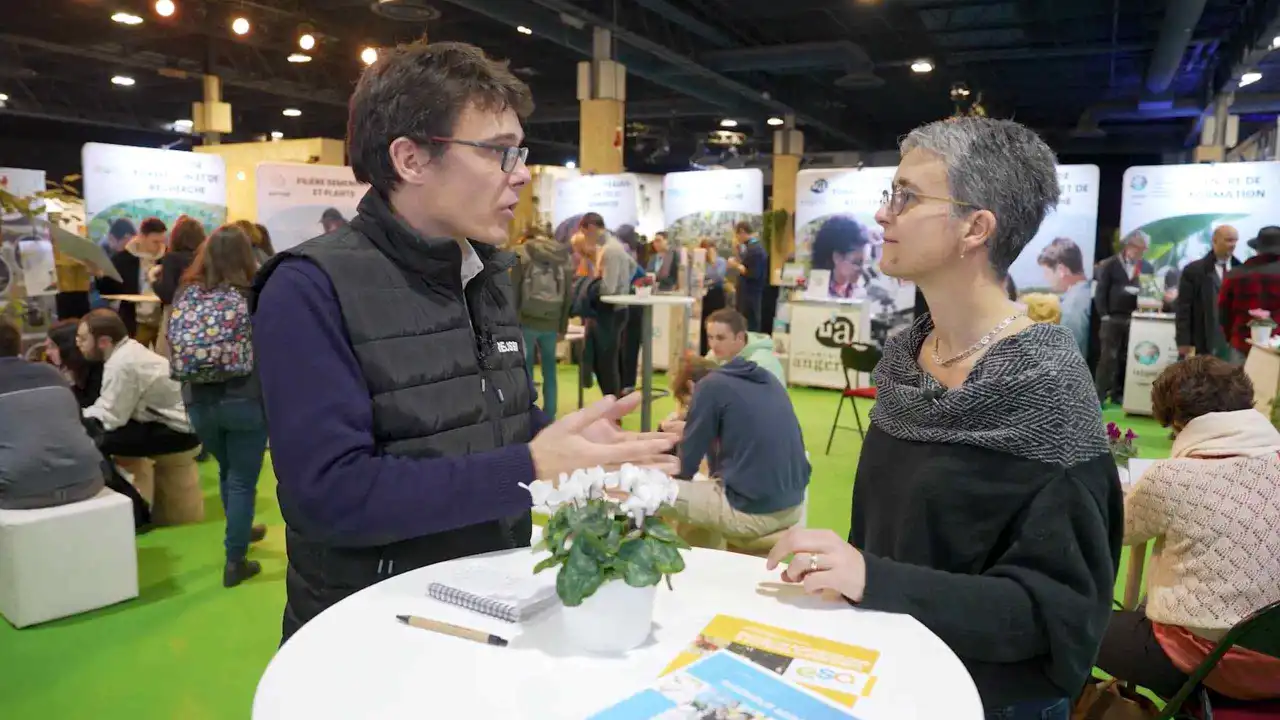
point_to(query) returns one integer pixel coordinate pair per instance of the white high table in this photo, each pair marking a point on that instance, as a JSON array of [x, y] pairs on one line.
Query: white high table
[[356, 661], [646, 334]]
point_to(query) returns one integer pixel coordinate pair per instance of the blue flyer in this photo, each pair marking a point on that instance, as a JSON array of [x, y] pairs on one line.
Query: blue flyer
[[723, 686]]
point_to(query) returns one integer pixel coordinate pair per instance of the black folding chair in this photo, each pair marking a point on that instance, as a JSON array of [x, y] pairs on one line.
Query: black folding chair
[[1260, 632], [856, 358]]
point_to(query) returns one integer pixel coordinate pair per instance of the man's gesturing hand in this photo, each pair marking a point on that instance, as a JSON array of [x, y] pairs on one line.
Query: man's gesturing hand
[[822, 561], [589, 437]]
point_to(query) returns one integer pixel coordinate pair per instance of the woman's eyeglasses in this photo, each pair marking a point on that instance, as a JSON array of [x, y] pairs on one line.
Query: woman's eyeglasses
[[511, 155], [897, 199]]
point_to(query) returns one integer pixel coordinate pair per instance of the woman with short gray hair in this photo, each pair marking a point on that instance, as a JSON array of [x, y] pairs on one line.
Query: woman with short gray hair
[[987, 504]]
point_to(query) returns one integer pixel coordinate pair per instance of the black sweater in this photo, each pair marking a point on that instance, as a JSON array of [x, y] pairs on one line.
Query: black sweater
[[992, 512]]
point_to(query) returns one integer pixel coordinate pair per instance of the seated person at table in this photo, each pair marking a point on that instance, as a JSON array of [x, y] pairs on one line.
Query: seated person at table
[[987, 504], [133, 262], [741, 420], [61, 352], [46, 459], [1214, 509], [141, 415], [728, 338]]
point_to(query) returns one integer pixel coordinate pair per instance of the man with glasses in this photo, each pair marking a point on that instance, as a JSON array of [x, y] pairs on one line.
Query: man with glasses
[[400, 409]]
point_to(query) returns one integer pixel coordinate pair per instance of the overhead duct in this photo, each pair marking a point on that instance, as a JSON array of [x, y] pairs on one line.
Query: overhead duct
[[792, 58], [1180, 20], [1133, 110], [687, 21]]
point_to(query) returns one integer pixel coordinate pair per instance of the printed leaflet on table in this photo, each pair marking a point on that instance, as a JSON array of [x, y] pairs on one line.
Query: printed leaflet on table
[[839, 671], [724, 685]]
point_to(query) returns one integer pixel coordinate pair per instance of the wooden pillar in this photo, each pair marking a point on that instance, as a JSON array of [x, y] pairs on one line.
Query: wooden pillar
[[602, 94], [788, 147]]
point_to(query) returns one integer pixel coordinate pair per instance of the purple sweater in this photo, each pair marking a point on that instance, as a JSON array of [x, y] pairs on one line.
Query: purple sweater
[[333, 483]]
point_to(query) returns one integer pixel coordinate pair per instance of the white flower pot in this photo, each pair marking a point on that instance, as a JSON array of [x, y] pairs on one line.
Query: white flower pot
[[645, 291], [617, 618], [1261, 334]]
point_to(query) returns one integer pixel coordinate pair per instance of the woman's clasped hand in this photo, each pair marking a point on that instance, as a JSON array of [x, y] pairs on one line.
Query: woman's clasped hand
[[821, 560]]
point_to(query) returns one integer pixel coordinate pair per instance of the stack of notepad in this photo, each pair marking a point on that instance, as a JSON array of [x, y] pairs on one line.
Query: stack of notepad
[[506, 596]]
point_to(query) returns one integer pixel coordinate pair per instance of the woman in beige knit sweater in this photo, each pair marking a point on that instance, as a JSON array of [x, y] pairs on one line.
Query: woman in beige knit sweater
[[1214, 510]]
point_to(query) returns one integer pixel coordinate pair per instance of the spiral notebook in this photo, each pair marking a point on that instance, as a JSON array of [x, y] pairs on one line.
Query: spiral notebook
[[493, 592]]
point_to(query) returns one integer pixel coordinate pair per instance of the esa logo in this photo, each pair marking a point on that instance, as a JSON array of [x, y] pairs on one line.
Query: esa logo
[[827, 675], [836, 332], [819, 186], [508, 346], [1138, 183]]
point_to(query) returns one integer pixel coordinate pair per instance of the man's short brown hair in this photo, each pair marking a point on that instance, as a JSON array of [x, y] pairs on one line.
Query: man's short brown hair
[[743, 227], [1198, 386], [417, 91], [10, 339], [731, 318], [104, 322]]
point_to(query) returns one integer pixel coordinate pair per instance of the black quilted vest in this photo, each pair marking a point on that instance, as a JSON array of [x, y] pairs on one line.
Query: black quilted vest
[[446, 376]]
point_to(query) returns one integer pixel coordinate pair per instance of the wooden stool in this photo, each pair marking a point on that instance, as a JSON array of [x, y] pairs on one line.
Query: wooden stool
[[170, 484]]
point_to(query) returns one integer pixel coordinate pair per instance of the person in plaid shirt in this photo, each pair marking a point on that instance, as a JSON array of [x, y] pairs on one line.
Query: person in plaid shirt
[[1253, 285]]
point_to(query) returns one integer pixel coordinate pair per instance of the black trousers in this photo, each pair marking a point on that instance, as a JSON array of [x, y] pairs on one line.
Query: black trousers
[[1113, 354], [136, 439], [712, 301], [606, 340], [751, 305], [632, 337], [1131, 653]]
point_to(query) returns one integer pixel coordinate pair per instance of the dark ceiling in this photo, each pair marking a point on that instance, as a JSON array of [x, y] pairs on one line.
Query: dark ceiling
[[1081, 72]]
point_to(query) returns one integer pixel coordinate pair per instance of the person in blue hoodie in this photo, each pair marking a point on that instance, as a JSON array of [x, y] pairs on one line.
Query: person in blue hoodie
[[741, 421]]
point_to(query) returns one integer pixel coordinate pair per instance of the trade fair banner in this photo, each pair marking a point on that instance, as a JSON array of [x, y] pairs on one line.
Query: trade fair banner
[[708, 203], [612, 196], [1072, 226], [136, 183], [649, 205], [26, 256], [297, 202], [1179, 207]]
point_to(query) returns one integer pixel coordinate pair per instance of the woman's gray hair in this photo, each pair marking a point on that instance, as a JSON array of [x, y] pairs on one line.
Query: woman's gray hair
[[995, 165]]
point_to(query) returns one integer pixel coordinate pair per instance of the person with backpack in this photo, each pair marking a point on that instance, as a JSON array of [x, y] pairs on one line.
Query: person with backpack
[[543, 280], [212, 344]]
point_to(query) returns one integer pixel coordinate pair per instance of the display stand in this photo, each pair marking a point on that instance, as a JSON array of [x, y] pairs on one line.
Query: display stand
[[1153, 347], [1263, 368], [818, 329]]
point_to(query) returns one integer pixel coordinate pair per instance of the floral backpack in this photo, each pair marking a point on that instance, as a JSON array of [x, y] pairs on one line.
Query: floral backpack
[[210, 335]]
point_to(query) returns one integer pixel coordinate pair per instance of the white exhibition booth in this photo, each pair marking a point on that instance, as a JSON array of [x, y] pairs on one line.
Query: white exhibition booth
[[297, 201], [1179, 207]]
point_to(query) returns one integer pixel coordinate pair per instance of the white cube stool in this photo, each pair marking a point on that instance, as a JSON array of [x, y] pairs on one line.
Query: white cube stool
[[61, 561]]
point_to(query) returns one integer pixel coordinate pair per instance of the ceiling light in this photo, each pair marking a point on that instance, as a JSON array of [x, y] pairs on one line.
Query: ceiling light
[[124, 80], [183, 124], [307, 41], [240, 26], [4, 97], [299, 58], [291, 112], [728, 123], [571, 164], [276, 135], [125, 18], [165, 8], [921, 66], [369, 56], [775, 121], [240, 175], [1250, 78], [523, 30], [1275, 42]]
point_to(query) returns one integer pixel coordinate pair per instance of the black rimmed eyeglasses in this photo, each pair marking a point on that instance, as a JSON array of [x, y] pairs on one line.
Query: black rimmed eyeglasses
[[511, 154], [897, 199]]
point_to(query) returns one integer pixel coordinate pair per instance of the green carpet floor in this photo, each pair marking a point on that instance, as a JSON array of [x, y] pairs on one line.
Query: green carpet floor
[[188, 649]]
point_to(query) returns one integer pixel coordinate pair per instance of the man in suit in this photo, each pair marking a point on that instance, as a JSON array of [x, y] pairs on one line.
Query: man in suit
[[1196, 306], [1115, 299]]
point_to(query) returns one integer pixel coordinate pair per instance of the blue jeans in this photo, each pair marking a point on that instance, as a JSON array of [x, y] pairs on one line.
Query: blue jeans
[[1059, 709], [234, 431], [545, 342]]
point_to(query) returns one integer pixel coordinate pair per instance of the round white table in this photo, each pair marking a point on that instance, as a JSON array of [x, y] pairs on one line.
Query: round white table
[[356, 661], [647, 302]]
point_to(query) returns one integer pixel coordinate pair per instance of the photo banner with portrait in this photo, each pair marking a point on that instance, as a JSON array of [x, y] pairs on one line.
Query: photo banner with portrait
[[1179, 206], [706, 204], [614, 197], [135, 183], [297, 202]]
